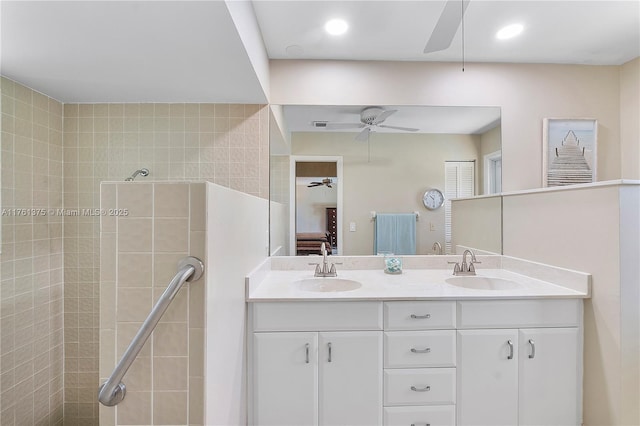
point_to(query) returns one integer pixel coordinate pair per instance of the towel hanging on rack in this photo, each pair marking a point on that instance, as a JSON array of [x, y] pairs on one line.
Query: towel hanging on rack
[[395, 233]]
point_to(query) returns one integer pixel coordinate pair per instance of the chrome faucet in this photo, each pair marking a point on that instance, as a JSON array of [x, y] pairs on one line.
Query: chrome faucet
[[437, 247], [465, 268], [325, 271]]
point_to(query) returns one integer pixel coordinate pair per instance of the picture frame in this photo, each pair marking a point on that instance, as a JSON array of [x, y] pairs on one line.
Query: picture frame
[[569, 151]]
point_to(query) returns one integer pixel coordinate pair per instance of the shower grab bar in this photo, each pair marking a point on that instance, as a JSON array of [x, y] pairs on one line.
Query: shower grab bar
[[112, 391]]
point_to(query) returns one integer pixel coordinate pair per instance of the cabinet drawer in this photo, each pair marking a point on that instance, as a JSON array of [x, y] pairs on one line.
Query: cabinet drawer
[[407, 349], [316, 316], [426, 386], [519, 313], [419, 315], [438, 415]]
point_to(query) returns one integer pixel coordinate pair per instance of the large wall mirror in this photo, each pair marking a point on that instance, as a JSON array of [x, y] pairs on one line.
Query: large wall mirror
[[334, 170]]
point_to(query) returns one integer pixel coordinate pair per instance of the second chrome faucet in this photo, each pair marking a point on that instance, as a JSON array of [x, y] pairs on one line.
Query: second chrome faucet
[[325, 270], [465, 268]]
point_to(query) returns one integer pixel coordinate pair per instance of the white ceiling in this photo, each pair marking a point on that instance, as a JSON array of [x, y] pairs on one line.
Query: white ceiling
[[568, 32], [191, 51], [131, 51]]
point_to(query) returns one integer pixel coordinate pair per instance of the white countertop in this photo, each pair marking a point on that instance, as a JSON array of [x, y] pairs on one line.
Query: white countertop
[[266, 284]]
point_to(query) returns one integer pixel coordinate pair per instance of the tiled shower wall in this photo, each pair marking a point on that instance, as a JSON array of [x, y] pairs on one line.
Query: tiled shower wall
[[31, 262], [156, 226], [222, 143]]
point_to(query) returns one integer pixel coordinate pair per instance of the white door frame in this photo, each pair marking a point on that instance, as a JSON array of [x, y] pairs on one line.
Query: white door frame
[[488, 171], [292, 195]]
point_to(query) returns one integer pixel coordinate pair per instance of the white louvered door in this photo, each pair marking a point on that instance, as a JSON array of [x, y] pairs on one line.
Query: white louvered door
[[459, 182]]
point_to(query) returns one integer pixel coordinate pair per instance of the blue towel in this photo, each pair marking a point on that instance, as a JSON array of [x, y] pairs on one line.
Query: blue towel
[[395, 233]]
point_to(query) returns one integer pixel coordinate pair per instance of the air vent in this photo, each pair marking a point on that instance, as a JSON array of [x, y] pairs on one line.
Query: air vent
[[319, 124]]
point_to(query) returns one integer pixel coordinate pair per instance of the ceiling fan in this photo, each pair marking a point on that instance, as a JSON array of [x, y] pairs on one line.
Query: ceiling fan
[[326, 182], [447, 26], [370, 119]]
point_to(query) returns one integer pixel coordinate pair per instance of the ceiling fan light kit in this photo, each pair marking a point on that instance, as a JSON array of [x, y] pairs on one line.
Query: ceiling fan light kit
[[325, 182], [371, 118]]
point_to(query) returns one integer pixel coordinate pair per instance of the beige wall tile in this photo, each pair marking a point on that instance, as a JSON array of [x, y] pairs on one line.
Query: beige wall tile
[[31, 308], [133, 304], [137, 198], [135, 409], [171, 339], [171, 200], [171, 235], [134, 235], [135, 270], [170, 408], [170, 373]]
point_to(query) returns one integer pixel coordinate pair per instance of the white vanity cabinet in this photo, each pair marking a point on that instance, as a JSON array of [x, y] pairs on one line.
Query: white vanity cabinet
[[419, 362], [438, 362], [317, 377], [519, 362]]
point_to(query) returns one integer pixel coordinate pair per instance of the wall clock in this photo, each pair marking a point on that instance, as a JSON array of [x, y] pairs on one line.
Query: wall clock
[[433, 199]]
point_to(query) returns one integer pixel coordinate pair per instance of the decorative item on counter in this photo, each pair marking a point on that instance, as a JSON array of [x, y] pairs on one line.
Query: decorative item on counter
[[392, 265]]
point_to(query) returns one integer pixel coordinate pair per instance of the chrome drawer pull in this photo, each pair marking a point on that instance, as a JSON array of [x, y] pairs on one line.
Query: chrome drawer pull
[[533, 349], [306, 349], [418, 424], [414, 316], [421, 351], [424, 389], [329, 345], [510, 343]]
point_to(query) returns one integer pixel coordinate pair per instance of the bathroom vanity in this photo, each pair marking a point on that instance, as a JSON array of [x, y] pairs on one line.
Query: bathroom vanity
[[501, 348]]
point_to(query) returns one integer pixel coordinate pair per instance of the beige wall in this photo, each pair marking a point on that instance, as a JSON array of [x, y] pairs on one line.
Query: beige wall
[[222, 143], [490, 142], [161, 223], [580, 228], [402, 167], [629, 121], [31, 263], [526, 93], [477, 223]]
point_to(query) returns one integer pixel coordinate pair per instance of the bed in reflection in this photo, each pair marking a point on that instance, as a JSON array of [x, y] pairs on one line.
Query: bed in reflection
[[310, 243]]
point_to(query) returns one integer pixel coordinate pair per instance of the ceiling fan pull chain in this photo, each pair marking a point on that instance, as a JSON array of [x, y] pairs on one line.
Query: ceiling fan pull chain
[[462, 23]]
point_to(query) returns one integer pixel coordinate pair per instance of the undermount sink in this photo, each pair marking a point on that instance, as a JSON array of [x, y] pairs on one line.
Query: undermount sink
[[482, 283], [326, 285]]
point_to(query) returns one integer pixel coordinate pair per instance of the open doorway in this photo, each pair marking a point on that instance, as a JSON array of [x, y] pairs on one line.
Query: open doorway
[[316, 204]]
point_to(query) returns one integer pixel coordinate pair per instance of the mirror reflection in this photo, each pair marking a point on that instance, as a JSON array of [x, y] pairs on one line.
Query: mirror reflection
[[366, 179]]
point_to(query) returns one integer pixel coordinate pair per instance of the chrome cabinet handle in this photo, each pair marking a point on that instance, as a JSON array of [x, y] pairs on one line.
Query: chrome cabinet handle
[[510, 343], [418, 424], [533, 349], [306, 349], [421, 351], [329, 346], [414, 316], [424, 389]]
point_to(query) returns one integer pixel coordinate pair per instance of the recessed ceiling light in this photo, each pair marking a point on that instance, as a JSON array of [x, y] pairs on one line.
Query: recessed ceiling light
[[509, 31], [336, 26]]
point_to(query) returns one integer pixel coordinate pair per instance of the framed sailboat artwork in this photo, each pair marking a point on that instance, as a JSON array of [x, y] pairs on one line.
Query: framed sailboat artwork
[[569, 148]]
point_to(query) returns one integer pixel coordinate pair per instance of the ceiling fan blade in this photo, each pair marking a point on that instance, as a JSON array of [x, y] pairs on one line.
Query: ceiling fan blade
[[406, 129], [344, 126], [447, 26], [363, 136], [384, 115], [312, 184]]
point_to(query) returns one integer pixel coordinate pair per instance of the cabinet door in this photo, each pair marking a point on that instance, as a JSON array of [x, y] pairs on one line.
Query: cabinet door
[[285, 379], [350, 365], [548, 377], [487, 377]]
